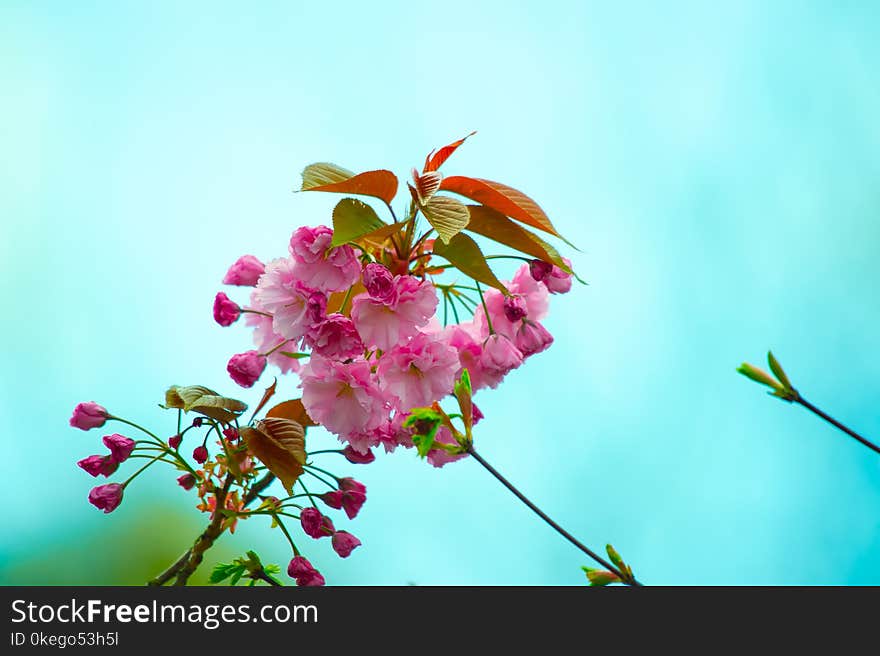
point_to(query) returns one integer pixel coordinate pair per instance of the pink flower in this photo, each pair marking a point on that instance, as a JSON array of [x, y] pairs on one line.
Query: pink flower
[[95, 465], [200, 454], [539, 269], [301, 570], [343, 397], [501, 324], [380, 283], [266, 339], [533, 293], [384, 325], [174, 441], [461, 338], [558, 281], [245, 368], [106, 497], [120, 446], [344, 543], [314, 524], [88, 415], [320, 266], [295, 306], [532, 338], [356, 457], [439, 457], [187, 481], [226, 312], [333, 498], [419, 372], [244, 272], [498, 358], [335, 338]]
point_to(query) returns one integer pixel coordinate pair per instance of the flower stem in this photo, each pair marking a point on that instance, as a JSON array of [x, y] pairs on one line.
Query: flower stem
[[816, 411], [485, 309], [568, 536]]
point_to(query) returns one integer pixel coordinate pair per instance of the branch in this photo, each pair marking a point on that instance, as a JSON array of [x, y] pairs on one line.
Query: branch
[[208, 536]]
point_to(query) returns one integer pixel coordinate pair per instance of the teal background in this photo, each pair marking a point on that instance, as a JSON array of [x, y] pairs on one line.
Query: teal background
[[717, 164]]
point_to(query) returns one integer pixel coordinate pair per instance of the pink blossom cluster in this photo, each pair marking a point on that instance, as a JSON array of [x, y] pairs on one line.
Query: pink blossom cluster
[[363, 369]]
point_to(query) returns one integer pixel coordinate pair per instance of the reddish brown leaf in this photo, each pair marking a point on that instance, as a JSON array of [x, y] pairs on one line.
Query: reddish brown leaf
[[293, 410], [329, 177], [500, 197], [280, 445], [436, 158], [268, 394], [494, 225]]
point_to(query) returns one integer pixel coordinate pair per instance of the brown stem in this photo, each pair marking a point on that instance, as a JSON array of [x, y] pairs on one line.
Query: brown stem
[[169, 573], [208, 536]]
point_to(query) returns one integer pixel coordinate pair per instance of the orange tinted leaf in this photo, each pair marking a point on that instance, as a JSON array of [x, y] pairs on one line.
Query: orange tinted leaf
[[335, 302], [447, 216], [280, 445], [436, 158], [329, 177], [494, 225], [500, 197], [268, 394], [378, 237], [293, 410], [463, 253]]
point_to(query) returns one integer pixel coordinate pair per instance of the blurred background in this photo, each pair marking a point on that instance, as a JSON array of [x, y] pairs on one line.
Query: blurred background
[[716, 163]]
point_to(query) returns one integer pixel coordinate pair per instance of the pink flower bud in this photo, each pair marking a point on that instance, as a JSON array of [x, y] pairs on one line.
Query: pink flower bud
[[174, 441], [226, 311], [514, 308], [230, 433], [539, 269], [200, 454], [88, 415], [120, 446], [245, 368], [245, 272], [106, 497], [187, 481], [301, 570], [344, 543], [197, 422], [380, 283], [314, 524], [333, 498], [498, 358], [532, 338], [354, 495], [95, 465], [477, 414], [355, 457]]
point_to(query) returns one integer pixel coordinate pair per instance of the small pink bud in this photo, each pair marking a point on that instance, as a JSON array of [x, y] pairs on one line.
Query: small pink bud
[[230, 433], [226, 311], [477, 414], [532, 337], [355, 457], [174, 441], [106, 497], [558, 281], [88, 415], [200, 454], [333, 498], [314, 524], [245, 368], [514, 308], [540, 269], [197, 422], [245, 272], [120, 446], [380, 283], [354, 495], [344, 543], [187, 481], [301, 570], [95, 465]]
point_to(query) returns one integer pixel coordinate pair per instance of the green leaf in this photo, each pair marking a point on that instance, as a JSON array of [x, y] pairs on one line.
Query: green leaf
[[352, 219], [223, 571], [494, 225], [463, 394], [235, 577], [426, 421], [464, 254], [615, 557], [204, 401], [448, 216], [777, 370], [323, 173], [295, 356], [600, 577], [759, 376]]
